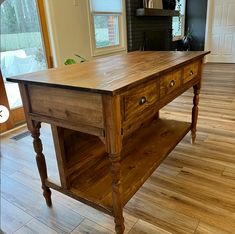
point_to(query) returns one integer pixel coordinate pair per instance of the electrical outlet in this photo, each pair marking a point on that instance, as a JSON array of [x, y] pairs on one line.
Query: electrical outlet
[[75, 2]]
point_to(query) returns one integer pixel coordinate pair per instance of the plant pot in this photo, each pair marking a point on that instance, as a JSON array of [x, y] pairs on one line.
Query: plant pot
[[186, 44]]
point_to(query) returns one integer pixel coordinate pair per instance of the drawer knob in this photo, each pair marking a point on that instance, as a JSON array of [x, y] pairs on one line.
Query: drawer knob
[[142, 101], [172, 83], [191, 73]]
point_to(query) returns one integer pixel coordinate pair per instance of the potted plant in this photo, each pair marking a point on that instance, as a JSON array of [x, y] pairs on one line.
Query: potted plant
[[187, 39]]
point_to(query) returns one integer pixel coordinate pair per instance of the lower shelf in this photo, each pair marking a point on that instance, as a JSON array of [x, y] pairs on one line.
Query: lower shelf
[[142, 153]]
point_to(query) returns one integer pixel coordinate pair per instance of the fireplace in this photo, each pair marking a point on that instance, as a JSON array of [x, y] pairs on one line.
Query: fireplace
[[147, 32], [157, 40]]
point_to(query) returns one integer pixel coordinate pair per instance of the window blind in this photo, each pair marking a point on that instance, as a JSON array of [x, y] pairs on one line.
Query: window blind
[[106, 6]]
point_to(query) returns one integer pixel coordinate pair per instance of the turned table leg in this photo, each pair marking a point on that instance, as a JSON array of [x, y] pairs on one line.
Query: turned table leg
[[116, 193], [113, 145], [196, 89], [41, 163]]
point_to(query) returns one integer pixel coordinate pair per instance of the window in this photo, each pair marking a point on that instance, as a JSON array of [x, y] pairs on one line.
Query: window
[[179, 21], [107, 26], [23, 47], [106, 30]]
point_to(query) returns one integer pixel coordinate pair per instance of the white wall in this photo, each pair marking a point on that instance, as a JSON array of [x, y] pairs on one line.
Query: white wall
[[68, 29]]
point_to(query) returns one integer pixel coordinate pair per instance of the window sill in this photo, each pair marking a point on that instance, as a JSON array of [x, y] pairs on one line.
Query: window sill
[[177, 38], [106, 51]]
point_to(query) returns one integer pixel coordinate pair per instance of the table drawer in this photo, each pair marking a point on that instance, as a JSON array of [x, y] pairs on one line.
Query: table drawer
[[190, 71], [67, 105], [139, 99], [170, 82]]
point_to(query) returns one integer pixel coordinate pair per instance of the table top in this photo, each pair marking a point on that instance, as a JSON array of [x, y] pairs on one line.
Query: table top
[[111, 74]]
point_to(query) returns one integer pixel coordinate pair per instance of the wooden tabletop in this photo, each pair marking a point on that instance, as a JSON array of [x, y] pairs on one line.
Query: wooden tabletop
[[111, 74]]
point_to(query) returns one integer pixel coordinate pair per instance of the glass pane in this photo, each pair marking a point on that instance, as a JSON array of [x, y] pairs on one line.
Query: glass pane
[[106, 6], [181, 7], [176, 26], [178, 22], [21, 44], [106, 30]]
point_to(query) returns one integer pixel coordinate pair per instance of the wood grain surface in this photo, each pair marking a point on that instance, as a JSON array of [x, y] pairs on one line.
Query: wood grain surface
[[112, 74], [88, 165]]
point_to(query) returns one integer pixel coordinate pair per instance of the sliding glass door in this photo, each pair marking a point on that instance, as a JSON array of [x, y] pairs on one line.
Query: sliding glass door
[[22, 47]]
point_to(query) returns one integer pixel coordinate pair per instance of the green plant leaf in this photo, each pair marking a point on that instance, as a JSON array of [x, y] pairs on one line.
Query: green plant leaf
[[69, 61]]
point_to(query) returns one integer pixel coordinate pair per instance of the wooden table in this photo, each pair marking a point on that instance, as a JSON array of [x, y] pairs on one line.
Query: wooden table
[[104, 116]]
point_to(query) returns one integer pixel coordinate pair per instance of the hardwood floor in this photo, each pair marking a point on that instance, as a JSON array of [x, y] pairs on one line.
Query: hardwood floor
[[193, 191]]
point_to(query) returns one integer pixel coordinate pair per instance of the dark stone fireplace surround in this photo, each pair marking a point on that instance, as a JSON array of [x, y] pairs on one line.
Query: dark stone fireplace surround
[[147, 32]]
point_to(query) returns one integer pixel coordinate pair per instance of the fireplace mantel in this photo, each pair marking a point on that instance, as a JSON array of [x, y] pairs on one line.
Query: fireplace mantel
[[155, 12]]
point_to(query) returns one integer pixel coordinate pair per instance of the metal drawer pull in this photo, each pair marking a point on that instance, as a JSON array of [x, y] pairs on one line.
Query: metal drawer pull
[[191, 73], [172, 83], [142, 101]]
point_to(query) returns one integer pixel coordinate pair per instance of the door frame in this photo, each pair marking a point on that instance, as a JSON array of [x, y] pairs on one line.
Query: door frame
[[44, 31], [208, 25], [4, 101], [17, 115]]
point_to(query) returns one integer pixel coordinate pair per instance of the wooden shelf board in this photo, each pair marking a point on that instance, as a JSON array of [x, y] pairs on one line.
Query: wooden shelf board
[[91, 179], [155, 12], [54, 184]]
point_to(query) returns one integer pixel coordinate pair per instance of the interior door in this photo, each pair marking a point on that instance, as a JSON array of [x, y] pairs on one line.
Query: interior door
[[221, 31], [24, 49]]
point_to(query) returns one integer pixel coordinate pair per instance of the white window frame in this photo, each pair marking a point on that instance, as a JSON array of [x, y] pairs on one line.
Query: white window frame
[[122, 32], [176, 38]]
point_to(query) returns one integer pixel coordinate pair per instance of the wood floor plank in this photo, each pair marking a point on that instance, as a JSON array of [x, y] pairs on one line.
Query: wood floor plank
[[211, 181], [161, 216], [9, 167], [59, 218], [29, 177], [204, 228], [229, 173], [180, 159], [187, 204], [218, 214], [92, 214], [35, 227], [88, 226], [142, 227], [12, 218]]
